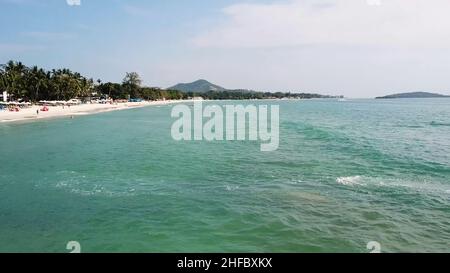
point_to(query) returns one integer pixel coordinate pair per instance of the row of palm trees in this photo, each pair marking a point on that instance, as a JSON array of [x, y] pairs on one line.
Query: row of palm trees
[[35, 84]]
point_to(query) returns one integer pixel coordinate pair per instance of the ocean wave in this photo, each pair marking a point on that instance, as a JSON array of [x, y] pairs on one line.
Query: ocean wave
[[85, 186], [350, 180], [232, 188], [426, 187]]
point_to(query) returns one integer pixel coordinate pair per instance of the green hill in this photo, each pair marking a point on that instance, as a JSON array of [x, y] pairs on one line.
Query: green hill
[[200, 86]]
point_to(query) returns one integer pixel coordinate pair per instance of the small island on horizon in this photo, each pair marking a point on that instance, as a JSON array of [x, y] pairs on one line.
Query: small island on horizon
[[413, 95]]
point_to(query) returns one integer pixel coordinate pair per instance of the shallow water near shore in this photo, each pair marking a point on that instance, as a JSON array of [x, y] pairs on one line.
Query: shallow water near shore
[[346, 173]]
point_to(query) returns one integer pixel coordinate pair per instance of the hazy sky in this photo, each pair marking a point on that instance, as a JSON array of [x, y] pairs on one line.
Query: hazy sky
[[358, 48]]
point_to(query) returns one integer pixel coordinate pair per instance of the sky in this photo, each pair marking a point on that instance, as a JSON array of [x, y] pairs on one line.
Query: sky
[[356, 48]]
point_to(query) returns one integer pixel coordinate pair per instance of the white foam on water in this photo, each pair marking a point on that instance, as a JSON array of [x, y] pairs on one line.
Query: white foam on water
[[232, 188], [424, 187], [80, 185], [350, 180]]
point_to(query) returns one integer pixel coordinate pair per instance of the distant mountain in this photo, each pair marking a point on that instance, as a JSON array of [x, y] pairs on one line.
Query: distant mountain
[[200, 86], [413, 95], [209, 90]]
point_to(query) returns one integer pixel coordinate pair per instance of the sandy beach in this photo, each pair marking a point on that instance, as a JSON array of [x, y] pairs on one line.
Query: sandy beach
[[30, 114]]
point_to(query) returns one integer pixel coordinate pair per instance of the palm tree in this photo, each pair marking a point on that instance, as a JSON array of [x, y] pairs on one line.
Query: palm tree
[[13, 79], [36, 80]]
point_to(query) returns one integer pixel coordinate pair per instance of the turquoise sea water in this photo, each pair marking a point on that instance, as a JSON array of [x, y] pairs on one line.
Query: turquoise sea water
[[345, 173]]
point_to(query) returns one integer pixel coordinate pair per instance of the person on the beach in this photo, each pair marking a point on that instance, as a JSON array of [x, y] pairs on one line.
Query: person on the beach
[[37, 112]]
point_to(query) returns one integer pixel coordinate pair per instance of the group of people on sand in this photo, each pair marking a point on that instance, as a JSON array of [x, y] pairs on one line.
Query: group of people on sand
[[14, 108], [46, 109]]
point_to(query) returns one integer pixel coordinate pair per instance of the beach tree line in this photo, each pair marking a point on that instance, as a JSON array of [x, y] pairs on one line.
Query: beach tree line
[[131, 87], [254, 95], [36, 84]]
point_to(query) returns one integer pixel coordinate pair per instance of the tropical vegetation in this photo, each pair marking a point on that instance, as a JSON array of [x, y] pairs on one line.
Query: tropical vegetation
[[34, 84]]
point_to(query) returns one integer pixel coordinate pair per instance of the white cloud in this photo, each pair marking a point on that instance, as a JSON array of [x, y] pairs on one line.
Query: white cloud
[[417, 23]]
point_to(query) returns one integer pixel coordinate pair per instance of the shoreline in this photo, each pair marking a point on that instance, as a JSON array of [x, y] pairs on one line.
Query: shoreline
[[30, 114]]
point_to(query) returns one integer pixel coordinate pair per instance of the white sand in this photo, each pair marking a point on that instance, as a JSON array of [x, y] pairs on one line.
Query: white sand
[[29, 114]]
